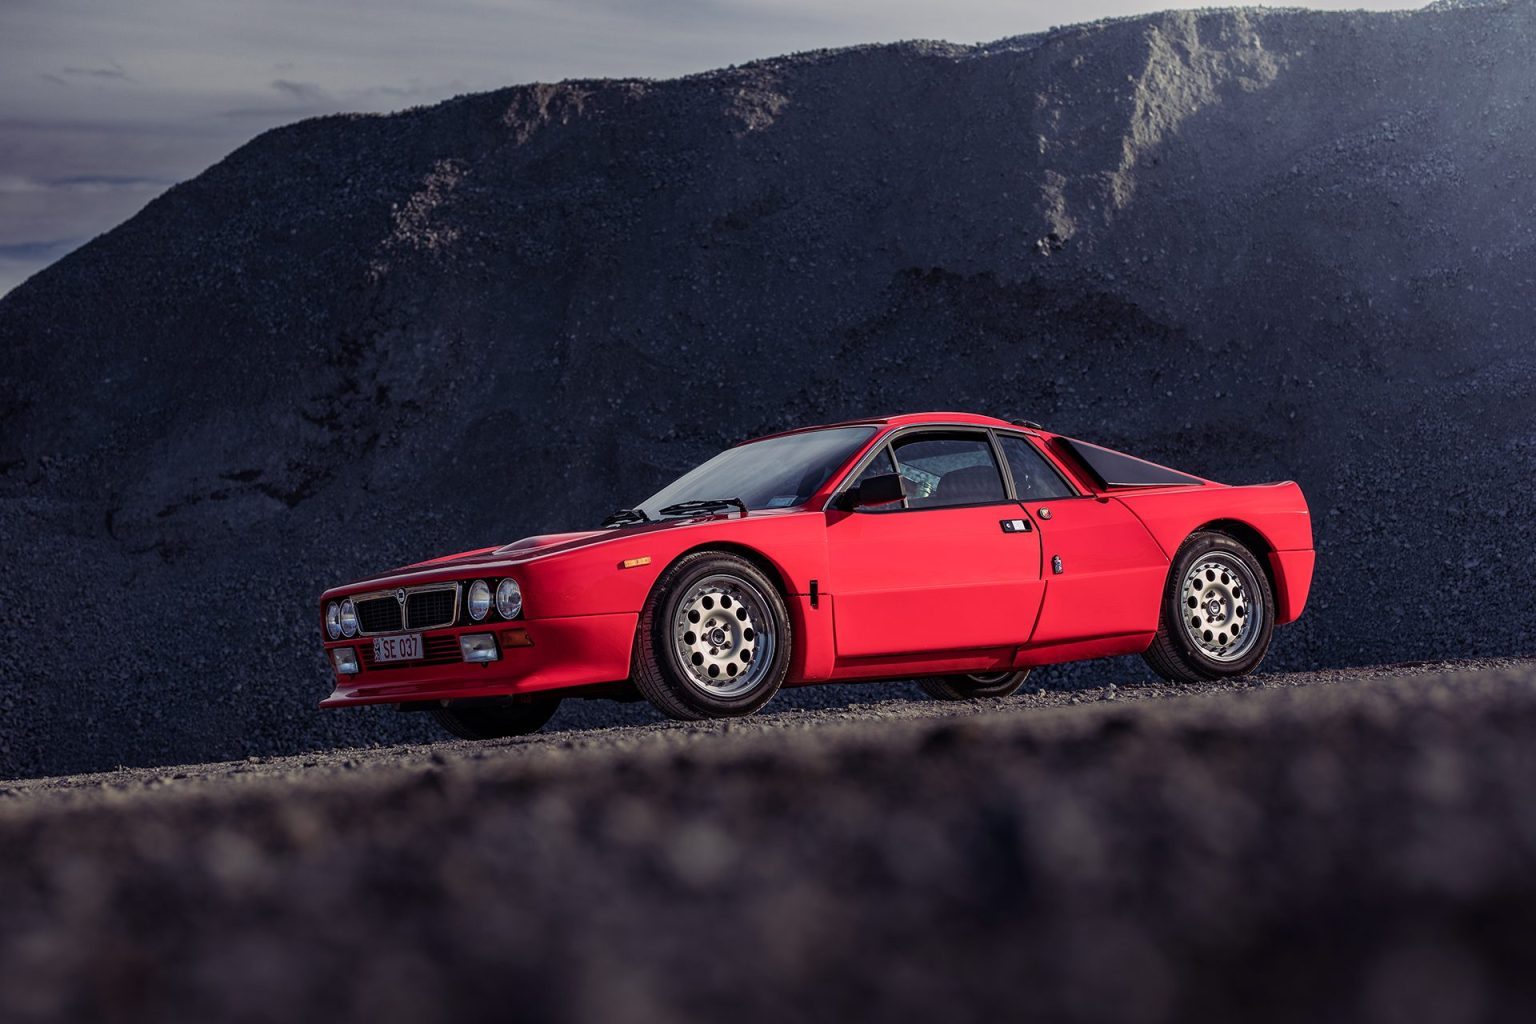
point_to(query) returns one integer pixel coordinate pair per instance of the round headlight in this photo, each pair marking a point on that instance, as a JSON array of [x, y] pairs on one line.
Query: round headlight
[[509, 599], [348, 618], [479, 600], [333, 620]]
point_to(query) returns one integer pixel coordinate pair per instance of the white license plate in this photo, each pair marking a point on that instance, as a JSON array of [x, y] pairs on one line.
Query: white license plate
[[397, 648]]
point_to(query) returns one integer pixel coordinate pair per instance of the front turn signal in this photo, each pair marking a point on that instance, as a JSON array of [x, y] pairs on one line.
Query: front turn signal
[[516, 638]]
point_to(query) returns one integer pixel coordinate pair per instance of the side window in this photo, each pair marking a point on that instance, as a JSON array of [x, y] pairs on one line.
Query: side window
[[952, 469], [1033, 478]]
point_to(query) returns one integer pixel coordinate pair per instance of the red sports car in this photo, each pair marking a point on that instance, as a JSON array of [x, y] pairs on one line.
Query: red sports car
[[957, 549]]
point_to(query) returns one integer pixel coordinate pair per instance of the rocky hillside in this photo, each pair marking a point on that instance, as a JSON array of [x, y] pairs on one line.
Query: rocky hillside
[[1252, 244]]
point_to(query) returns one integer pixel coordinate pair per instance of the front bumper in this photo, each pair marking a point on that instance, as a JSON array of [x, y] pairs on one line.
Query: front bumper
[[577, 651]]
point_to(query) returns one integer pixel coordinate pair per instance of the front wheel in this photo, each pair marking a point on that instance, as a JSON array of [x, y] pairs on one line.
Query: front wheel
[[714, 639], [1218, 612], [993, 684], [490, 721]]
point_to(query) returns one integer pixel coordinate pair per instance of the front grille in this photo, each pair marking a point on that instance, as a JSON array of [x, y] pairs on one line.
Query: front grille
[[436, 650], [426, 609], [379, 615]]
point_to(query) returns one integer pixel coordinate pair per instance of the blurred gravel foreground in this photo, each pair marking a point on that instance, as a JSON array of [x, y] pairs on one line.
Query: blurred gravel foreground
[[1253, 244], [1329, 847]]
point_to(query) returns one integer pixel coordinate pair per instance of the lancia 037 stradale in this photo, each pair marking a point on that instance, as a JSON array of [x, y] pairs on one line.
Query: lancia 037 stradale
[[956, 549]]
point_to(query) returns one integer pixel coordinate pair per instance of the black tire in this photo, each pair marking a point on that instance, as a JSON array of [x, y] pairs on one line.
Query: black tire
[[1186, 648], [491, 721], [744, 610], [1000, 684]]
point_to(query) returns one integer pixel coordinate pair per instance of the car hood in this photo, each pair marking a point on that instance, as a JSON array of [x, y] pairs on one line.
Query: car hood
[[545, 544], [518, 551], [494, 560]]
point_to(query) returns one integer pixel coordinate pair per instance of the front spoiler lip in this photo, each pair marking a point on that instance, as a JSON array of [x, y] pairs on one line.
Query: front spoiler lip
[[566, 653]]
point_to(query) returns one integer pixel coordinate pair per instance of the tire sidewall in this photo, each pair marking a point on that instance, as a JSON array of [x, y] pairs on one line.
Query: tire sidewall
[[677, 676], [1199, 546], [1009, 685], [966, 688]]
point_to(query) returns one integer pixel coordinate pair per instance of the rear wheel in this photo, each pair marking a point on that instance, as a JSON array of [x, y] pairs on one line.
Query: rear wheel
[[994, 684], [489, 721], [1218, 612], [714, 639]]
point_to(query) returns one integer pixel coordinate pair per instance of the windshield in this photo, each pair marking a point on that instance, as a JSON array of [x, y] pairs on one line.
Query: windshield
[[778, 472]]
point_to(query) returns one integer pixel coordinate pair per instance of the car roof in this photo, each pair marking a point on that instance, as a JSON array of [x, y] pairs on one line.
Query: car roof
[[903, 420]]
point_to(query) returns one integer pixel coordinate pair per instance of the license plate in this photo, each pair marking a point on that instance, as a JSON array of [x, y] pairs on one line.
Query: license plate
[[397, 648]]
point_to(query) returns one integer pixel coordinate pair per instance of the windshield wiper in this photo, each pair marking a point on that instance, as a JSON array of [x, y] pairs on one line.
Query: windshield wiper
[[627, 517], [683, 508]]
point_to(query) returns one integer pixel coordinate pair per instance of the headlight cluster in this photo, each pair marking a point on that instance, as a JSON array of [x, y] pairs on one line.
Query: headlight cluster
[[479, 599], [508, 599], [341, 619]]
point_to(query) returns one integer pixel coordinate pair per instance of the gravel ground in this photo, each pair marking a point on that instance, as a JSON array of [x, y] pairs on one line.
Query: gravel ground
[[1255, 244], [1351, 846]]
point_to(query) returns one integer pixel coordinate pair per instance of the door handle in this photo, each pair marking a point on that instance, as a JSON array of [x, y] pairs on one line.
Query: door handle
[[1015, 525]]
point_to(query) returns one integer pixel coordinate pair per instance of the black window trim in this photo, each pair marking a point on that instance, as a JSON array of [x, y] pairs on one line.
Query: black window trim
[[1073, 491]]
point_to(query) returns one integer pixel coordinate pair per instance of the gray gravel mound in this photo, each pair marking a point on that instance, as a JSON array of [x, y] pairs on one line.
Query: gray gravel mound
[[1335, 847], [1253, 244]]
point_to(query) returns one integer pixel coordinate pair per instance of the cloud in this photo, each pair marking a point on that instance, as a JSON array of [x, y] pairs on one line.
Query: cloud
[[33, 250], [115, 71], [308, 92], [106, 182], [13, 184]]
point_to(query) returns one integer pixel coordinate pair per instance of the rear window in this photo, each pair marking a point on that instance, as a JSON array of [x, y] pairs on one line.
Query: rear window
[[1116, 469]]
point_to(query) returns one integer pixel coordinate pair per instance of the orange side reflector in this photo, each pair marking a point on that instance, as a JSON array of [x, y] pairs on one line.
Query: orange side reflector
[[635, 563], [516, 638]]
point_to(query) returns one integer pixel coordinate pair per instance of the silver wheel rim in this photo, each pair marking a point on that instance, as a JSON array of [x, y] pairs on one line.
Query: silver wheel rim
[[988, 678], [724, 636], [1222, 610]]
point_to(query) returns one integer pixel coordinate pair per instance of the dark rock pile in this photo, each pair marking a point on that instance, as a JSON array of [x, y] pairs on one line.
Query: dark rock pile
[[1252, 244]]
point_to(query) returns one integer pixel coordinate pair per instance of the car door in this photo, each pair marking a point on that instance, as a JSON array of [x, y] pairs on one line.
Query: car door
[[954, 566], [1104, 572]]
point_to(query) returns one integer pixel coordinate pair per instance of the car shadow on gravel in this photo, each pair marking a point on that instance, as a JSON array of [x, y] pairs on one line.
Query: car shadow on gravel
[[1052, 685]]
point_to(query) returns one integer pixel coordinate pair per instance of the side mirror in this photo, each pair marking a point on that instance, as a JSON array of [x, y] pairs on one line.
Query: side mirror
[[877, 490]]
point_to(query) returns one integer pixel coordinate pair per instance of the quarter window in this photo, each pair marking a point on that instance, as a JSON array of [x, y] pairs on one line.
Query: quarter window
[[1033, 478], [949, 470]]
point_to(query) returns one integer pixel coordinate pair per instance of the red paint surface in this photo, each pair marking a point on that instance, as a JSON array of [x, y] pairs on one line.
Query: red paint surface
[[904, 593]]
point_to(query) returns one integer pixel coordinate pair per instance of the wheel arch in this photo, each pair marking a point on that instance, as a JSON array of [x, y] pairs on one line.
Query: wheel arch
[[1251, 538], [768, 567]]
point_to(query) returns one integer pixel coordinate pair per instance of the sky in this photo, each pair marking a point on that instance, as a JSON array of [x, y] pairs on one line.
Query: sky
[[106, 104]]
